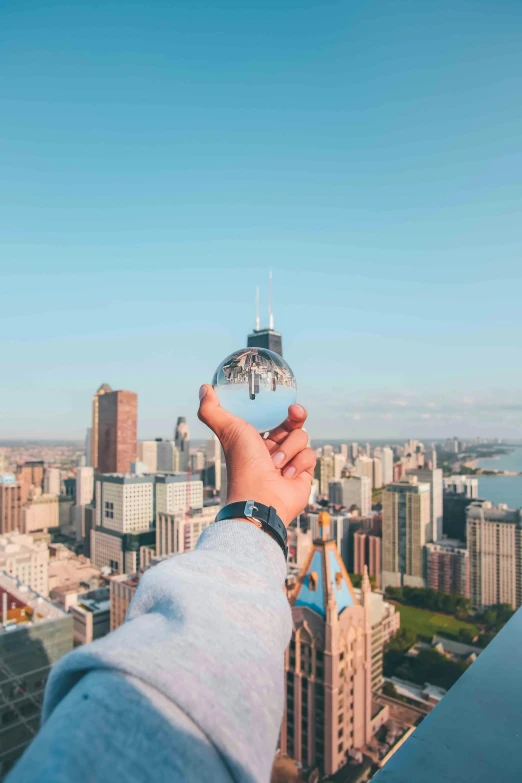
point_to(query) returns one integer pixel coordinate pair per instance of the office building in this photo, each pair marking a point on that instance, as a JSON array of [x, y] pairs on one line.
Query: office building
[[434, 479], [30, 475], [213, 463], [182, 441], [178, 532], [364, 467], [122, 590], [26, 559], [117, 428], [387, 465], [462, 485], [91, 616], [406, 526], [324, 472], [11, 507], [34, 635], [42, 513], [494, 539], [175, 495], [328, 664], [447, 567], [367, 549], [124, 521], [148, 455], [266, 338], [94, 439], [168, 456], [84, 486], [52, 481], [353, 492]]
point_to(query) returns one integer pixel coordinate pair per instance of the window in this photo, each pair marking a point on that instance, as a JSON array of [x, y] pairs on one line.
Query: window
[[341, 657], [341, 718], [340, 733], [340, 748]]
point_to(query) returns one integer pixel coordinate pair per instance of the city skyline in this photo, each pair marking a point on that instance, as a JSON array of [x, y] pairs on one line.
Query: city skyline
[[367, 155]]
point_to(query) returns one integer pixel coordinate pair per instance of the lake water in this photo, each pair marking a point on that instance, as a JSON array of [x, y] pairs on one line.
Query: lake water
[[511, 461], [502, 489]]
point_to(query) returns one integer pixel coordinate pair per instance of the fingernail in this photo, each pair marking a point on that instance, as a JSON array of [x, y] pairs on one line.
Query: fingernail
[[202, 392], [289, 472], [300, 407], [278, 458]]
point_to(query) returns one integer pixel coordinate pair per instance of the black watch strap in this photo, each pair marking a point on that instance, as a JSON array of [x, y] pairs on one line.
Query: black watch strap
[[263, 516]]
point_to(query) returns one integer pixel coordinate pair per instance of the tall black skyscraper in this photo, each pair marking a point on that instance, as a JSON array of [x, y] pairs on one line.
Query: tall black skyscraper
[[266, 338]]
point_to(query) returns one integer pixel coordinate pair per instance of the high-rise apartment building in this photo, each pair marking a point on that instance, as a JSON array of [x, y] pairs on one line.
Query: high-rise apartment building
[[447, 567], [328, 663], [354, 451], [52, 481], [84, 486], [122, 589], [406, 525], [349, 492], [117, 431], [387, 465], [104, 389], [339, 463], [434, 479], [462, 485], [367, 550], [324, 472], [26, 559], [494, 538], [11, 507], [182, 441], [364, 467], [176, 495], [344, 451]]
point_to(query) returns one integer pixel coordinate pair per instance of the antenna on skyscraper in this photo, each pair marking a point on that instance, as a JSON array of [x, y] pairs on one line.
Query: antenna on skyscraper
[[257, 309], [270, 311]]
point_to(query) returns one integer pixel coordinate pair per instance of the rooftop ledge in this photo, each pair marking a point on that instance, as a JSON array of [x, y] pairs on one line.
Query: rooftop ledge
[[474, 734]]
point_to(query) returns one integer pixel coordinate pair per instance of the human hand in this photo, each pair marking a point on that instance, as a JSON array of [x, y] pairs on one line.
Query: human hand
[[276, 471]]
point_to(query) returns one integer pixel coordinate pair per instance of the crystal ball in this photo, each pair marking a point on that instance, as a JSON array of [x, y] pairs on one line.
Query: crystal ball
[[257, 385]]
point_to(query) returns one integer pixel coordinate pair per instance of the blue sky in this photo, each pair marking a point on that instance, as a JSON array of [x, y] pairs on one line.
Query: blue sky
[[158, 158]]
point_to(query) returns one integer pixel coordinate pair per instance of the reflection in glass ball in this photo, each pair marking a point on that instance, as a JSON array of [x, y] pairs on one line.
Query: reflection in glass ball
[[257, 385]]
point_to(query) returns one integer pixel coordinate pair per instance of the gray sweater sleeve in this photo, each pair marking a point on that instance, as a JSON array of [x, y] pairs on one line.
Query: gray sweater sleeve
[[199, 662]]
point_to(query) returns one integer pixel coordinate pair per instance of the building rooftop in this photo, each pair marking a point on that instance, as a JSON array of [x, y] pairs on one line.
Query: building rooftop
[[95, 600], [68, 571], [23, 605]]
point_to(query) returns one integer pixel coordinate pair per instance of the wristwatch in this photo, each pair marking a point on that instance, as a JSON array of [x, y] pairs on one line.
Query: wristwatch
[[263, 516]]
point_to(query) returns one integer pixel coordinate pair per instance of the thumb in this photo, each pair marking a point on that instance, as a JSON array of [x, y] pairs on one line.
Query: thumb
[[212, 414]]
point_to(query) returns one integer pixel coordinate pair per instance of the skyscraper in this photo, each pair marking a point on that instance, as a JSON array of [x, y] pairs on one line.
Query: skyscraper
[[354, 491], [406, 514], [377, 473], [367, 551], [30, 475], [324, 471], [266, 338], [117, 431], [364, 467], [104, 389], [52, 481], [447, 567], [182, 441], [328, 663]]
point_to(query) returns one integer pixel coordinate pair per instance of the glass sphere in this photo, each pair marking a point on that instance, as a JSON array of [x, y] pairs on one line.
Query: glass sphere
[[257, 385]]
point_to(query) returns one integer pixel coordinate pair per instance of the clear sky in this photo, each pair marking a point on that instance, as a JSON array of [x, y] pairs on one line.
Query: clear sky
[[157, 158]]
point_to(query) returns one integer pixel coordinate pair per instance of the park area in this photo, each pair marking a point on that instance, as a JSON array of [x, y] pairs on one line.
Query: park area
[[426, 624]]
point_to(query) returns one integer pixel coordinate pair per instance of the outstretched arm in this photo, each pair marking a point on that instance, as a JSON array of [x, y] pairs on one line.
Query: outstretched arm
[[191, 686]]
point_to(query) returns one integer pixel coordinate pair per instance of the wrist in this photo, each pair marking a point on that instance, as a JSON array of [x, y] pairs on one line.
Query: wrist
[[259, 514]]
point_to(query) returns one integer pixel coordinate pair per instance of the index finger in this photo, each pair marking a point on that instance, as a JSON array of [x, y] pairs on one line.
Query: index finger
[[294, 421]]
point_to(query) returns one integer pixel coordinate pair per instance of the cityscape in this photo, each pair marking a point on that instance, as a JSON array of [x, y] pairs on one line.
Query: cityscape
[[400, 572]]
